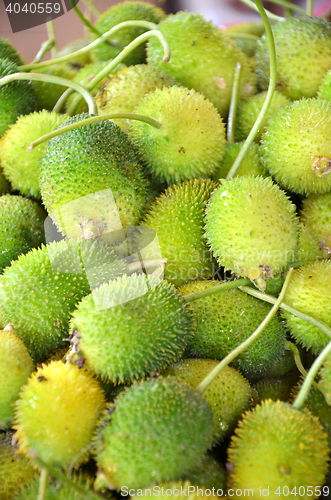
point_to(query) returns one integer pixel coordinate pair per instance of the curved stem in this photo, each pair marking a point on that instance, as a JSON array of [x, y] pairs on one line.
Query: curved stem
[[127, 50], [45, 47], [304, 390], [289, 5], [53, 79], [295, 312], [92, 8], [88, 48], [242, 347], [295, 351], [270, 15], [270, 93], [233, 104], [58, 106], [309, 8], [42, 484], [89, 25], [52, 38], [223, 287], [93, 119]]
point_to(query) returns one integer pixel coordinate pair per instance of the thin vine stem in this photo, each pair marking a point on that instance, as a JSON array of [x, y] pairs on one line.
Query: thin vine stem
[[309, 8], [223, 287], [54, 79], [92, 45], [45, 47], [92, 8], [89, 25], [233, 104], [42, 484], [127, 50], [270, 15], [305, 388], [93, 119], [290, 6], [292, 310], [270, 93], [242, 347], [52, 38], [296, 355]]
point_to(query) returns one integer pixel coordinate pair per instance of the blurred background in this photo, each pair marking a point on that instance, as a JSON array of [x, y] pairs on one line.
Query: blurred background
[[68, 27]]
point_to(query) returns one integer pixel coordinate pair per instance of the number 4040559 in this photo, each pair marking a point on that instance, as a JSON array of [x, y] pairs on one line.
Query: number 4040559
[[34, 8]]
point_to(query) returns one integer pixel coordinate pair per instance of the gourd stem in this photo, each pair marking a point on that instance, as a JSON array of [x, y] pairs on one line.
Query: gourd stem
[[89, 25], [223, 287], [242, 347], [42, 484], [270, 15], [233, 104], [309, 8], [52, 38], [289, 5], [295, 351], [92, 7]]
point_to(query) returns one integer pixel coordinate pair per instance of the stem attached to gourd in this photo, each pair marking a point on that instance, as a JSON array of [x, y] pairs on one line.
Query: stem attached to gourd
[[42, 484], [233, 104], [222, 287]]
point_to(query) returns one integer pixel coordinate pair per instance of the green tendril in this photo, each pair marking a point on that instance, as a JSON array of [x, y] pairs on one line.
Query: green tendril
[[58, 81], [289, 5], [309, 8], [296, 355], [89, 25], [270, 93], [269, 14], [52, 38], [223, 287], [92, 8], [42, 484], [233, 104]]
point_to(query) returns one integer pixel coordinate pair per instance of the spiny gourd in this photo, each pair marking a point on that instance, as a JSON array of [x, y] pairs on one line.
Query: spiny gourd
[[21, 167], [22, 225], [160, 429], [296, 148], [225, 319], [324, 91], [251, 164], [126, 11], [250, 108], [238, 31], [15, 470], [55, 490], [8, 51], [316, 215], [309, 292], [85, 161], [191, 141], [251, 227], [276, 388], [325, 382], [16, 98], [303, 51], [40, 289], [16, 367], [228, 395], [59, 426], [211, 473], [309, 248], [123, 92], [276, 446], [131, 326], [177, 216], [191, 37]]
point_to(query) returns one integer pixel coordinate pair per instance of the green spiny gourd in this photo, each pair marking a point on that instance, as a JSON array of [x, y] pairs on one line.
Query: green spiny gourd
[[80, 60], [251, 164], [309, 248], [126, 11], [228, 395], [303, 50], [324, 91], [22, 224], [325, 382], [8, 51], [48, 93], [21, 167], [55, 490], [309, 292], [177, 216], [210, 474], [131, 327], [225, 320], [59, 426], [16, 98], [250, 108], [127, 88], [39, 290], [277, 446], [159, 431], [296, 149], [251, 227], [16, 367], [15, 470], [284, 366], [238, 31], [191, 37], [86, 161], [276, 388], [316, 215], [191, 141]]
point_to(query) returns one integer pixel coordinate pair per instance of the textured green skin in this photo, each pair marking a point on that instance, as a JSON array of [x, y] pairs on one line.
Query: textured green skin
[[133, 339], [210, 474], [225, 320], [177, 217], [88, 160], [38, 298], [16, 366], [316, 214], [123, 92], [324, 91], [250, 27], [78, 44], [55, 490], [22, 227], [297, 136], [250, 108], [303, 51], [15, 470], [276, 388], [21, 167], [309, 292], [276, 445], [59, 425], [8, 51], [251, 227], [251, 164], [159, 431], [309, 246], [228, 395], [126, 11], [16, 98], [191, 37], [191, 142], [48, 93]]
